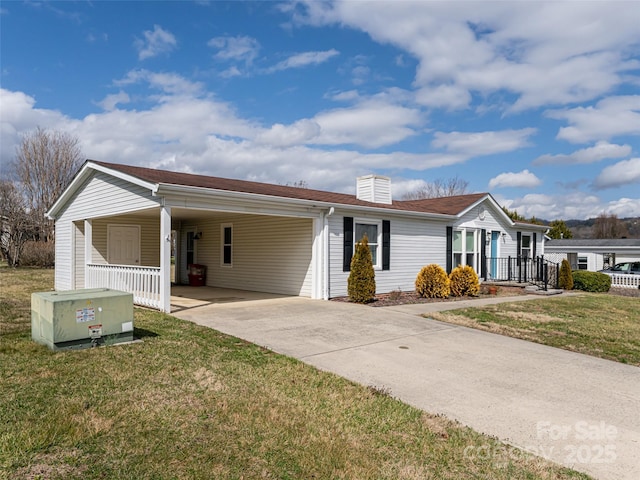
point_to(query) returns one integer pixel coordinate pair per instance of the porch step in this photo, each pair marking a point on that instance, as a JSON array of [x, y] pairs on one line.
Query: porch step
[[534, 289]]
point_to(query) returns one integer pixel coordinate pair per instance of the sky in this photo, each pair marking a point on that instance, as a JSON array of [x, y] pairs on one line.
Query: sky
[[535, 102]]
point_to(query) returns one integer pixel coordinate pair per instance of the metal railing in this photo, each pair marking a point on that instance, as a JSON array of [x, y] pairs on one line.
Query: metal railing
[[537, 271], [142, 282]]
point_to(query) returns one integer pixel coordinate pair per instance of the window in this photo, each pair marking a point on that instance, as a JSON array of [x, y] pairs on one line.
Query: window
[[583, 263], [464, 248], [372, 231], [525, 249], [470, 245], [190, 248], [457, 248], [227, 245]]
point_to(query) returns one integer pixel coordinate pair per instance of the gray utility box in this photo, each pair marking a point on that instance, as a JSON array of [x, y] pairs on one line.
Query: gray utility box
[[81, 318]]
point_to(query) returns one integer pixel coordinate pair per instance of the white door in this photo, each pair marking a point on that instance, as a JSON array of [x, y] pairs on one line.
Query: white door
[[124, 244]]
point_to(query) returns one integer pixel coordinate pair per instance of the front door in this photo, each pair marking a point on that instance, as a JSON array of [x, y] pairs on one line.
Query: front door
[[189, 254], [123, 242]]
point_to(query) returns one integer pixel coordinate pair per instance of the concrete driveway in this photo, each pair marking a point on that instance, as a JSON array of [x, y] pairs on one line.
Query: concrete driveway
[[576, 410]]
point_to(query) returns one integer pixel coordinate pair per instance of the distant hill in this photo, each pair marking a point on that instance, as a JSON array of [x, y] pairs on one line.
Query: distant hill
[[584, 228]]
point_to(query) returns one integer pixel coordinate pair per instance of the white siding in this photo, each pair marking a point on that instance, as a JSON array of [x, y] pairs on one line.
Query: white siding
[[270, 254], [104, 195], [64, 255], [101, 196], [414, 244], [149, 237]]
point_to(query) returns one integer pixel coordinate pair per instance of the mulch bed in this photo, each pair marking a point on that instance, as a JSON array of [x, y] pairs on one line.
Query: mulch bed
[[405, 298], [408, 298]]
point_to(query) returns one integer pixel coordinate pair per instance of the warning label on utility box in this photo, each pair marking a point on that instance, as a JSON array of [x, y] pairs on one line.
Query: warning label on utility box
[[85, 315], [95, 331]]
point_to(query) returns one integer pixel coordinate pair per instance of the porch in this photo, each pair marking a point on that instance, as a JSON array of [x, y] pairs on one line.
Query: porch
[[535, 271]]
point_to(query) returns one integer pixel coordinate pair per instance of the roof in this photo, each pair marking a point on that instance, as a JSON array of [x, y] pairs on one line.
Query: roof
[[593, 242], [443, 206]]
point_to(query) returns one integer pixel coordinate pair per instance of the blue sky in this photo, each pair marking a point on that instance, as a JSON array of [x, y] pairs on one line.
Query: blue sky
[[538, 103]]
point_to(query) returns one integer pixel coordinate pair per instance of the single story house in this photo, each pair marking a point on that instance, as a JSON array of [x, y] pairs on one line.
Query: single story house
[[121, 227], [593, 253]]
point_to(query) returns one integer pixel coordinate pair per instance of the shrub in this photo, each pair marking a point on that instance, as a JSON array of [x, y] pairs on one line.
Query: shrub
[[361, 285], [38, 254], [432, 282], [464, 281], [591, 281], [565, 280]]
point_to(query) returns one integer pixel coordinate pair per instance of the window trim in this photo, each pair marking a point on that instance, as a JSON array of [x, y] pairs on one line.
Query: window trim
[[378, 242], [223, 245]]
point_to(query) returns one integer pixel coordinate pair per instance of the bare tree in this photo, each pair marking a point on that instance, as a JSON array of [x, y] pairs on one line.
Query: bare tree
[[16, 224], [609, 226], [44, 165], [439, 188]]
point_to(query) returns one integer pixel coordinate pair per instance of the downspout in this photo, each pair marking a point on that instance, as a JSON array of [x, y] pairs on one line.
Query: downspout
[[327, 289]]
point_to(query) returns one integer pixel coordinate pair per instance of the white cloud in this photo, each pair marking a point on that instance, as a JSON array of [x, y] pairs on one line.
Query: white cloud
[[483, 143], [523, 179], [622, 173], [155, 43], [298, 133], [304, 59], [240, 49], [110, 102], [600, 151], [169, 83], [194, 132], [544, 54], [610, 117], [578, 205]]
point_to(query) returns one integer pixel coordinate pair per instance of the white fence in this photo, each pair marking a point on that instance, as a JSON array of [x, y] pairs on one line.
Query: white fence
[[142, 282], [625, 281]]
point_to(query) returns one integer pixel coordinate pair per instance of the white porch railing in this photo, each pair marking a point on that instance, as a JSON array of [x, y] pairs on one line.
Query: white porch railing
[[625, 281], [142, 282]]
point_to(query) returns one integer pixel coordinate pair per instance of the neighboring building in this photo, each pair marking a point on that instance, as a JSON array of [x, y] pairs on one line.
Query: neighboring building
[[116, 226], [593, 254]]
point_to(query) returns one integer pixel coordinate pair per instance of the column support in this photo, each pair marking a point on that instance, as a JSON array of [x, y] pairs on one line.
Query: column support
[[165, 259], [88, 249]]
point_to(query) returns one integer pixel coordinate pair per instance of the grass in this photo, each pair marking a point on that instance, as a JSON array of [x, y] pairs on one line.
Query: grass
[[595, 324], [189, 402]]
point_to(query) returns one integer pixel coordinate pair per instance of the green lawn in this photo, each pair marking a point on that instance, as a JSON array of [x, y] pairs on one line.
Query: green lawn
[[190, 403], [602, 325]]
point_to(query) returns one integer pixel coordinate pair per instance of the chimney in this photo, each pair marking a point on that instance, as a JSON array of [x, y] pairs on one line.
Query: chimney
[[374, 188]]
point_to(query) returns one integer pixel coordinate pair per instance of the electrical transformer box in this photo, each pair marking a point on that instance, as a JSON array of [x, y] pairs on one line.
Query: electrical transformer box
[[74, 319]]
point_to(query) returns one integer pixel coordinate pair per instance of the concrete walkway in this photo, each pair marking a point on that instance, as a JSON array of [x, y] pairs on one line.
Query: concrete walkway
[[579, 411]]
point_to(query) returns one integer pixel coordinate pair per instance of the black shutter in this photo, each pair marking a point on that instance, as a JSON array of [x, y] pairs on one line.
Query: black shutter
[[533, 248], [519, 246], [386, 244], [483, 254], [348, 244], [449, 248]]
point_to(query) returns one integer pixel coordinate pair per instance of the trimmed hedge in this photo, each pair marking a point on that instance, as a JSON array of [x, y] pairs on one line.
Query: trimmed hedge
[[432, 282], [464, 281], [591, 281]]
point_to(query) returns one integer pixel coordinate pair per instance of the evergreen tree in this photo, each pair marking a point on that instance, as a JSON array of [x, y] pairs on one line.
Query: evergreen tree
[[565, 279], [362, 282], [559, 229]]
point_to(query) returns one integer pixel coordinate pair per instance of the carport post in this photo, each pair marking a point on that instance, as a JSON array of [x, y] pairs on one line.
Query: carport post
[[165, 259]]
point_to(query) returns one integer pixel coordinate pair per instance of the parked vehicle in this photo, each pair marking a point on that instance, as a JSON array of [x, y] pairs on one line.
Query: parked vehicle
[[625, 268]]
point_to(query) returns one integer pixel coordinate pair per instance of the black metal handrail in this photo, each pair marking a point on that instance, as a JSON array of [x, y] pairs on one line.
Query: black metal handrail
[[537, 270]]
